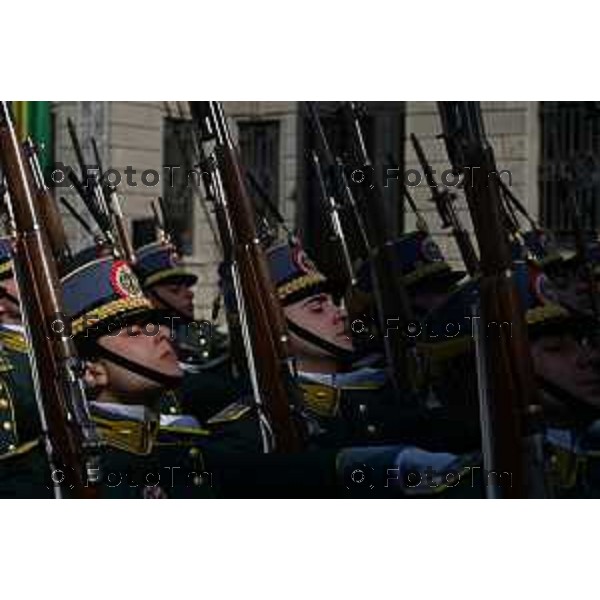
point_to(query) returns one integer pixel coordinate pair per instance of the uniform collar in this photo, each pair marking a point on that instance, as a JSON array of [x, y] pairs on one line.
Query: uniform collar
[[129, 427], [13, 327], [364, 377]]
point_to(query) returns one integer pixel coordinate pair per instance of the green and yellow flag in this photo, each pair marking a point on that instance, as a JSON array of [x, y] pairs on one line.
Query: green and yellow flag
[[34, 119]]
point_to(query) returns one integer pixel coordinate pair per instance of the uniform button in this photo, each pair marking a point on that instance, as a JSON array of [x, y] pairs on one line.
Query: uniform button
[[203, 341], [194, 452], [198, 480], [173, 410], [7, 425], [3, 403], [12, 448], [205, 354], [362, 409], [371, 429]]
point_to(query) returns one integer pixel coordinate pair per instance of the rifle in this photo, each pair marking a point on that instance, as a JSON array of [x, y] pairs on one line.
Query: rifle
[[332, 209], [390, 292], [268, 204], [341, 189], [48, 210], [71, 210], [513, 416], [113, 203], [421, 222], [420, 219], [69, 434], [261, 316], [101, 200], [444, 202], [198, 162]]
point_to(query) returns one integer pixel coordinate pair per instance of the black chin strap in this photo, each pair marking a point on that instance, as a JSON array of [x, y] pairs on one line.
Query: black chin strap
[[167, 381], [341, 353]]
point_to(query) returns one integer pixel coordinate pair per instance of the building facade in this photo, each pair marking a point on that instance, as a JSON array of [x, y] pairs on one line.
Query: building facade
[[150, 146]]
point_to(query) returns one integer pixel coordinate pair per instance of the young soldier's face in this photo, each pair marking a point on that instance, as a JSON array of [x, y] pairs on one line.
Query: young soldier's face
[[569, 364], [176, 295], [320, 316], [151, 351], [10, 313]]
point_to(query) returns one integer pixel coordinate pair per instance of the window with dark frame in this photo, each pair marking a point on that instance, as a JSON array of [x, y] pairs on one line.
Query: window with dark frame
[[178, 185], [259, 148], [570, 166]]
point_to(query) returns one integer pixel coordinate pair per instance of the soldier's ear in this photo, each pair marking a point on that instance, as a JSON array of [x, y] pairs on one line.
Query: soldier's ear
[[95, 375]]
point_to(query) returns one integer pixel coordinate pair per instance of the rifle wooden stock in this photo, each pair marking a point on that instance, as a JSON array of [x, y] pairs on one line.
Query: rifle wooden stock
[[514, 411], [265, 316], [70, 434]]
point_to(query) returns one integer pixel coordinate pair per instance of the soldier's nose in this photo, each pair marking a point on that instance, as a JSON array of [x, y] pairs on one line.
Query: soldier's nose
[[340, 316], [342, 312]]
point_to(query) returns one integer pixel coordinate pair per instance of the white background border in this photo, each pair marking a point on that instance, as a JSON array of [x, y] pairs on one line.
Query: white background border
[[280, 51]]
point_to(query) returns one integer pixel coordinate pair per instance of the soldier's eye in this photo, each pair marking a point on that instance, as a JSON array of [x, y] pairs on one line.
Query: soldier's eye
[[315, 305]]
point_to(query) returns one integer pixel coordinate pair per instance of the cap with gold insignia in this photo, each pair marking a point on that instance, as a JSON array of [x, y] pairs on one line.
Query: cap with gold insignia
[[102, 296], [159, 262], [295, 275], [420, 261]]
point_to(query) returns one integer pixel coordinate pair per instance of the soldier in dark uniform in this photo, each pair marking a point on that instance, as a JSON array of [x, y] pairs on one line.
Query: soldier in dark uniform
[[202, 350], [12, 335], [350, 405], [129, 363], [565, 364], [427, 275], [575, 275], [23, 466], [566, 361]]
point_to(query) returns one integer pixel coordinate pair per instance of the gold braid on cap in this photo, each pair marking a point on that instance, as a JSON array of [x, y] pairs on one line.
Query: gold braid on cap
[[283, 291], [108, 311]]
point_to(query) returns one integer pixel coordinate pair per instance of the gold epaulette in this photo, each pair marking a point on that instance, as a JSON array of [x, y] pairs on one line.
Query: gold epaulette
[[13, 340], [366, 386], [232, 412], [20, 450], [322, 399], [189, 433], [137, 437], [566, 467], [5, 364]]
